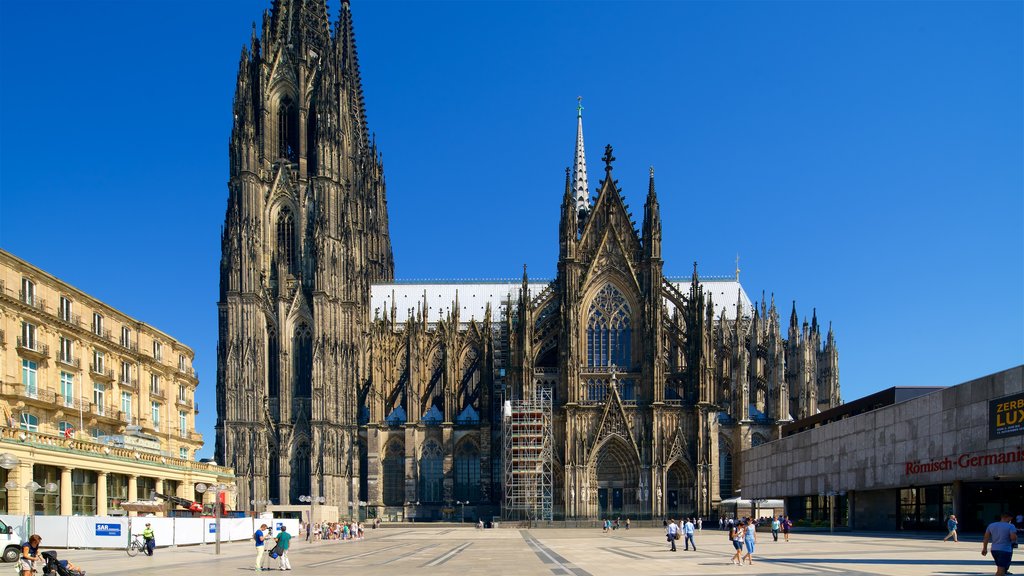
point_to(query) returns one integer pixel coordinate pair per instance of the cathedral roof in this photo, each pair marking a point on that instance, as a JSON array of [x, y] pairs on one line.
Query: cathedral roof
[[475, 295]]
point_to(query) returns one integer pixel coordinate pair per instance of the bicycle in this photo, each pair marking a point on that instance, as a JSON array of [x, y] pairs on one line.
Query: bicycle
[[135, 546]]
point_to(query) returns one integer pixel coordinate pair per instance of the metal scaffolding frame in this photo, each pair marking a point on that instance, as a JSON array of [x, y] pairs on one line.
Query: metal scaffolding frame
[[528, 436]]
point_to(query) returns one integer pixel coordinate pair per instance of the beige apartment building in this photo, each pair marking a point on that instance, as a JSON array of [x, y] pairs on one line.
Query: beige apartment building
[[96, 408]]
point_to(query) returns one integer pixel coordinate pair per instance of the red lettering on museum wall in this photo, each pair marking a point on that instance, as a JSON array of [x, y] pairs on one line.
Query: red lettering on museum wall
[[965, 461]]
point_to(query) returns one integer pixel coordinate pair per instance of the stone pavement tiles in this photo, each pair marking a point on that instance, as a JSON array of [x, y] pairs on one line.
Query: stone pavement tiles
[[581, 552]]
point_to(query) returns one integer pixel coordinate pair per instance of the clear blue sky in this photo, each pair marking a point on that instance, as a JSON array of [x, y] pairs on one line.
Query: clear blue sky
[[864, 158]]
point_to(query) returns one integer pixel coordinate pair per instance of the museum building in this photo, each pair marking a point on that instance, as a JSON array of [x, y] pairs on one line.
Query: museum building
[[901, 459]]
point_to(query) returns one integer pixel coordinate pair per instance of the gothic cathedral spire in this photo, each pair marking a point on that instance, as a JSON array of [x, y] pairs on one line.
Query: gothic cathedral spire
[[580, 162], [305, 234]]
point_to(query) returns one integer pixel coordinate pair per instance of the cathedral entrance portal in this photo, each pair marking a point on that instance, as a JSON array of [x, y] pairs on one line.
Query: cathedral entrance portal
[[615, 471], [679, 491]]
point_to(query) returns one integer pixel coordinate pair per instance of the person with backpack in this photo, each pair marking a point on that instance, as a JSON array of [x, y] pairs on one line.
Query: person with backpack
[[737, 543], [261, 547], [283, 541]]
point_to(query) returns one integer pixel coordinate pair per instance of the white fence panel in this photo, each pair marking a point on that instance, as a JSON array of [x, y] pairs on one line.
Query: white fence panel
[[188, 530], [97, 532], [163, 529], [235, 529], [53, 529]]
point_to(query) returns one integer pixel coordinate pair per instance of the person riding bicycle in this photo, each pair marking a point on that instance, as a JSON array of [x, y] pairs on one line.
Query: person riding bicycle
[[150, 539]]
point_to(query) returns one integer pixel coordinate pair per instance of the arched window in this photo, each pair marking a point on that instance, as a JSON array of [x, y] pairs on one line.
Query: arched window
[[394, 474], [301, 471], [311, 130], [757, 439], [287, 130], [273, 368], [467, 472], [286, 238], [608, 330], [303, 362], [724, 470], [431, 473]]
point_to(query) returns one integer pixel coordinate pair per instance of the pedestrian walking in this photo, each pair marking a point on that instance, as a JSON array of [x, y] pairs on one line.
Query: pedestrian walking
[[700, 524], [1003, 536], [776, 524], [672, 533], [951, 525], [737, 543], [284, 540], [688, 533], [750, 539], [627, 522], [721, 523], [787, 525], [260, 538]]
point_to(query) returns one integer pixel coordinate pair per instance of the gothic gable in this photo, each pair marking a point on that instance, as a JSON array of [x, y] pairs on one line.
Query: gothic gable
[[613, 423]]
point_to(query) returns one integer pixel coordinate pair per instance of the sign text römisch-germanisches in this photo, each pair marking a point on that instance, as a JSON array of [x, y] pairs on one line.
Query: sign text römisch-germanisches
[[966, 460]]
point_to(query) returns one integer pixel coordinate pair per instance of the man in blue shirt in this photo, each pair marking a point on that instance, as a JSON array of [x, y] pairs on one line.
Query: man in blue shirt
[[260, 546], [1003, 536], [688, 534]]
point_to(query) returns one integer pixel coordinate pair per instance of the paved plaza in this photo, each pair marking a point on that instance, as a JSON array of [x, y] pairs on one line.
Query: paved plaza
[[461, 551]]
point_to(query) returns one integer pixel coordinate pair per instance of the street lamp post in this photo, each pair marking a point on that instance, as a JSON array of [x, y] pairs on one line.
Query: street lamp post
[[313, 501], [218, 491], [463, 504]]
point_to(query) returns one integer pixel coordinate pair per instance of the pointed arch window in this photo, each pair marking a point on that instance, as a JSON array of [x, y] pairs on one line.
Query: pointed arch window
[[286, 238], [431, 472], [394, 474], [301, 471], [287, 130], [724, 469], [303, 362], [467, 472], [608, 330]]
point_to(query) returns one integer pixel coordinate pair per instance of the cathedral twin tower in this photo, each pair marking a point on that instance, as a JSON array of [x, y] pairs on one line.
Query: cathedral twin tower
[[335, 381]]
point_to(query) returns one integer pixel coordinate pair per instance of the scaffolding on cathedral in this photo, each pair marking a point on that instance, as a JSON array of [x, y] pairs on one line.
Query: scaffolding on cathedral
[[527, 434]]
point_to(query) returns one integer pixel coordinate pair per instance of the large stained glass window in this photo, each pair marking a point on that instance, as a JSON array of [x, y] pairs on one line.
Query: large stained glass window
[[608, 330]]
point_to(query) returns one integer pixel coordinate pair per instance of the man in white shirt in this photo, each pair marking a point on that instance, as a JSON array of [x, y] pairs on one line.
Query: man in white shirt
[[670, 532]]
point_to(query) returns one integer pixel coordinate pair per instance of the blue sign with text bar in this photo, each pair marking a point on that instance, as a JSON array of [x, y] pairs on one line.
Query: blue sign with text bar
[[108, 529]]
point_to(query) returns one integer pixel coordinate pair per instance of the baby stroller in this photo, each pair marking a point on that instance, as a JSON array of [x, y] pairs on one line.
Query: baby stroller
[[55, 567]]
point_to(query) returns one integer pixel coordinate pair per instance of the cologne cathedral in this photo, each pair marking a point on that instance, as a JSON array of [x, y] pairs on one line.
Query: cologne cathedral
[[335, 380]]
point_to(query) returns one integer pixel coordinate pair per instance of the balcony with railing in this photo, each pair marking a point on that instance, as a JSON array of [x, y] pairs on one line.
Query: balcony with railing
[[76, 404], [126, 417], [156, 392], [99, 373], [69, 361], [183, 402], [129, 345], [32, 301], [132, 383], [33, 349], [187, 371], [74, 320]]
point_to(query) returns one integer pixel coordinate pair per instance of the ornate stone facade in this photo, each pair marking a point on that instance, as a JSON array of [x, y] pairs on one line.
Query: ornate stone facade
[[304, 236], [335, 380]]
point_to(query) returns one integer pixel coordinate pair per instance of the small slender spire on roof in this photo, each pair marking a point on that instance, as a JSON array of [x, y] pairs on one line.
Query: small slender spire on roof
[[580, 186], [737, 266]]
